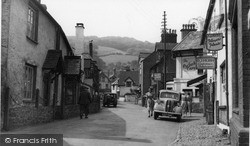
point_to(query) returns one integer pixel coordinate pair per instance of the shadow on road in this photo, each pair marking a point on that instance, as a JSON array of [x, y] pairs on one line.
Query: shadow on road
[[105, 126]]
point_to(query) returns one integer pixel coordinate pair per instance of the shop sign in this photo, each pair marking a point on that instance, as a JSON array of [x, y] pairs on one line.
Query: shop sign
[[205, 62], [189, 64], [157, 76], [214, 42]]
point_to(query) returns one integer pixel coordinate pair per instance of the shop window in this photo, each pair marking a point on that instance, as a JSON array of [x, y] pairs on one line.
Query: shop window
[[32, 23], [29, 81]]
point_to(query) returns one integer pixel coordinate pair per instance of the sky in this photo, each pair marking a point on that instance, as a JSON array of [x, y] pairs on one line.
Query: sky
[[139, 19]]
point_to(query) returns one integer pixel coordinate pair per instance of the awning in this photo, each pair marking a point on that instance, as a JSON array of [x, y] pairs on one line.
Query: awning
[[196, 80], [52, 60]]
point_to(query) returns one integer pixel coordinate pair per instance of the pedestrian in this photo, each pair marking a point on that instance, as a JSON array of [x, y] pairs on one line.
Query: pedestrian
[[84, 102], [150, 102], [189, 103], [184, 104]]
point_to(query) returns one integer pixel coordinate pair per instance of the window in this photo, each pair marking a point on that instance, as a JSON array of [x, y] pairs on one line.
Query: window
[[29, 81], [32, 24], [107, 86], [200, 71], [128, 84]]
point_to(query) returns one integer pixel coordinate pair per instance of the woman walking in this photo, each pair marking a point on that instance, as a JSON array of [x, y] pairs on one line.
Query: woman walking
[[150, 102]]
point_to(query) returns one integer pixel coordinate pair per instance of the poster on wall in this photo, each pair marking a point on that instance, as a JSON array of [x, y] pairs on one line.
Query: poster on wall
[[189, 64]]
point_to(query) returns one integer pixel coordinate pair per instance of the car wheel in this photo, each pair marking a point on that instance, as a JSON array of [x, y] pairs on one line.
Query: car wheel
[[115, 105], [156, 115]]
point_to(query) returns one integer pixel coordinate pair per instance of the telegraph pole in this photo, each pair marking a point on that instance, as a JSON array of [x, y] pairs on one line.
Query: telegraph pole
[[164, 37]]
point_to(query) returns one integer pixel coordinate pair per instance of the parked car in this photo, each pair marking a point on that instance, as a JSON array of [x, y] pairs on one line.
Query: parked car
[[110, 99], [168, 104]]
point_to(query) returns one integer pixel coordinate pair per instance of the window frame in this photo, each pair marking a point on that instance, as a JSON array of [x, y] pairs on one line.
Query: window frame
[[32, 80], [32, 23]]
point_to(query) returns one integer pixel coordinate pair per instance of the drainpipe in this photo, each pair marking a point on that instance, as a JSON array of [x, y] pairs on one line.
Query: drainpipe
[[226, 47]]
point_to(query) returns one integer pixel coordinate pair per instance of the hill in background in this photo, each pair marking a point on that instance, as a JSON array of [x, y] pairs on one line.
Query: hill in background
[[118, 52]]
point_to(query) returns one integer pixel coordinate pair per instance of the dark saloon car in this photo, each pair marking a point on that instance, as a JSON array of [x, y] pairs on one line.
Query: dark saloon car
[[110, 99]]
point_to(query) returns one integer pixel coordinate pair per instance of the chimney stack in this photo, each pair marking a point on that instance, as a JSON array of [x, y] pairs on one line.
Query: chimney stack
[[186, 28], [79, 41], [171, 36], [91, 48]]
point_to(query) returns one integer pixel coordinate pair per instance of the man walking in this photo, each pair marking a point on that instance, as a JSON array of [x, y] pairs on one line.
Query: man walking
[[84, 102]]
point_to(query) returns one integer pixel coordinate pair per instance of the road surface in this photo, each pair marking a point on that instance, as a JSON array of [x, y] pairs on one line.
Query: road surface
[[127, 124]]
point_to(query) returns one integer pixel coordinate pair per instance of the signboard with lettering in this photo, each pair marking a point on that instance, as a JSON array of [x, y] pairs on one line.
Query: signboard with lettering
[[205, 62], [157, 76], [189, 63], [214, 42]]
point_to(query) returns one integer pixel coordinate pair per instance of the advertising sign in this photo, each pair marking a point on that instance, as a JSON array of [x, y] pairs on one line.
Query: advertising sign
[[214, 42], [205, 62], [157, 76]]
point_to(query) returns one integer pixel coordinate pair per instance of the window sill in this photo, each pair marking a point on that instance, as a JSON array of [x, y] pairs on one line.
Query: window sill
[[33, 41]]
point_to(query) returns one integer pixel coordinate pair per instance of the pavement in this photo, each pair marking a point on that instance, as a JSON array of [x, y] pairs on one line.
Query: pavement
[[195, 131]]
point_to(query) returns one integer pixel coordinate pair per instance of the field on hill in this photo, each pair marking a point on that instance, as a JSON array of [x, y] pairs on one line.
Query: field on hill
[[103, 51], [118, 58]]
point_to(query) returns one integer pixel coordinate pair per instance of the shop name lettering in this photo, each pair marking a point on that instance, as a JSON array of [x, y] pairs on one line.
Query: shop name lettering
[[214, 42], [189, 65]]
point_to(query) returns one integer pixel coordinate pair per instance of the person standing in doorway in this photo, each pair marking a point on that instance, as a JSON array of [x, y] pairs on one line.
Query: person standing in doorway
[[150, 102], [84, 102]]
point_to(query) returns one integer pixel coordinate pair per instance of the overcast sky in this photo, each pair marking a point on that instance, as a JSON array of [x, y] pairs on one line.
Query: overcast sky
[[140, 19]]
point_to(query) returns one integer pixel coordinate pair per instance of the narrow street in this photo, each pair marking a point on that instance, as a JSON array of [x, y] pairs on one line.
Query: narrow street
[[127, 124]]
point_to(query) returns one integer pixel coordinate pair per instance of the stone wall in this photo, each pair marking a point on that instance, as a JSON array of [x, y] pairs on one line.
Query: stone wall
[[29, 115]]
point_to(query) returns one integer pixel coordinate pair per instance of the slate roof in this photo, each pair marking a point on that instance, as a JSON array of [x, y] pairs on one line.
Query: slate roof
[[143, 54], [52, 59], [160, 46], [133, 75], [190, 42]]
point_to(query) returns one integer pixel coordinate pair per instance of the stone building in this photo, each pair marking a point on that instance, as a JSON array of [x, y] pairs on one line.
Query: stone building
[[239, 16], [154, 63], [188, 77], [32, 64]]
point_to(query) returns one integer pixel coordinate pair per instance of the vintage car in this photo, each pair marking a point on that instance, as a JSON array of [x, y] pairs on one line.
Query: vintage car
[[168, 104], [110, 99]]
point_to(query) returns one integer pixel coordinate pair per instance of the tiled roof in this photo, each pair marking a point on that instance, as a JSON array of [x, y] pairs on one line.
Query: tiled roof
[[190, 42], [160, 46], [52, 59], [115, 82], [133, 75]]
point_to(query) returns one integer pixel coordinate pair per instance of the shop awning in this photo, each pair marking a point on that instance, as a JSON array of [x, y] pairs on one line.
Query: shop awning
[[53, 60], [197, 80]]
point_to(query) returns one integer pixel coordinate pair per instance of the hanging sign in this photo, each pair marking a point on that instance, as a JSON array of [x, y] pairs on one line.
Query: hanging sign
[[157, 76], [205, 62], [214, 42]]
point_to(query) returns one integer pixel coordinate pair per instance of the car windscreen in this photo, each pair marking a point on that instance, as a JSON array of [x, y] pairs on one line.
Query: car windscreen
[[169, 95]]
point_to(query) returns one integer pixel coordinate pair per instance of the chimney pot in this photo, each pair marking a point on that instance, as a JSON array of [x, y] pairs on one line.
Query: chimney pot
[[80, 25]]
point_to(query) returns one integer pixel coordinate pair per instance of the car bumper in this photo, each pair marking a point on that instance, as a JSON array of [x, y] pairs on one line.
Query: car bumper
[[168, 113]]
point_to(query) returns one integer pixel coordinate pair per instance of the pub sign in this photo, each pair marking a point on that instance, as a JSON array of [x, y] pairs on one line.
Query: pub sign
[[214, 42]]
